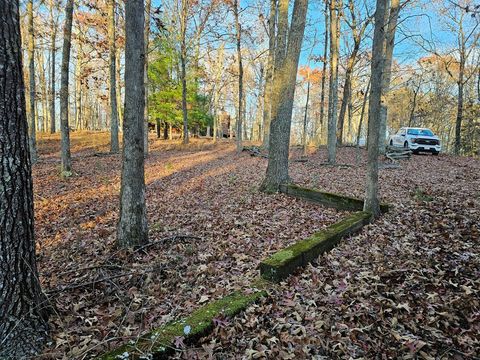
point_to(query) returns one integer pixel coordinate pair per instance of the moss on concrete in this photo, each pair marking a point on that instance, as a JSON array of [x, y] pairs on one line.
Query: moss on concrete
[[157, 344], [336, 201], [284, 262]]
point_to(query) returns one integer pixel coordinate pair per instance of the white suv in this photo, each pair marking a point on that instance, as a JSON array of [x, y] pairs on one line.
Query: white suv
[[417, 140]]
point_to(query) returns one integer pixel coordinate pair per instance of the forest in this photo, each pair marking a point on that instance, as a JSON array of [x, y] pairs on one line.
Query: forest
[[251, 179]]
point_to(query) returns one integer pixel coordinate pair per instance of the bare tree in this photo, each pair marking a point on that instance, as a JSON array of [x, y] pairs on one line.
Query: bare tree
[[358, 31], [371, 195], [132, 228], [238, 28], [53, 40], [183, 65], [267, 103], [335, 6], [114, 145], [148, 5], [285, 74], [65, 129], [324, 69], [23, 319], [387, 69], [31, 76]]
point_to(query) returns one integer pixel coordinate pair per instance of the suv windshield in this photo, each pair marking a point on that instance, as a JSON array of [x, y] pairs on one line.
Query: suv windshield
[[425, 132]]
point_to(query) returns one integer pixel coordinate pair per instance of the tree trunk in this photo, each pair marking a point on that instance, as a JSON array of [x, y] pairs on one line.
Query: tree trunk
[[305, 117], [238, 28], [65, 130], [389, 45], [114, 145], [148, 4], [119, 90], [23, 315], [347, 92], [284, 91], [324, 70], [267, 105], [42, 125], [459, 118], [53, 39], [157, 128], [362, 114], [132, 228], [165, 130], [374, 117], [31, 76], [183, 60], [333, 89]]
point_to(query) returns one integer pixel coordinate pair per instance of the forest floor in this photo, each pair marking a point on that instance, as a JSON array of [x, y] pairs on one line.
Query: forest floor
[[405, 286]]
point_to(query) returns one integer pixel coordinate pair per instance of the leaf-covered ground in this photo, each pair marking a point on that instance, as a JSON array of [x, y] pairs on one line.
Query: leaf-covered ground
[[209, 226], [406, 286]]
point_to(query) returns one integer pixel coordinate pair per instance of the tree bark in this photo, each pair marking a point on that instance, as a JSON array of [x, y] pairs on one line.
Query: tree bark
[[374, 117], [284, 92], [238, 28], [31, 76], [132, 228], [305, 117], [53, 40], [324, 70], [333, 88], [148, 5], [389, 45], [65, 129], [183, 74], [114, 145], [23, 315], [267, 105]]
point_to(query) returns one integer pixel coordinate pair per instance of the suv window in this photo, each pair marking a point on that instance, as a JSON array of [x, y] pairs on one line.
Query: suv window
[[425, 132], [401, 131]]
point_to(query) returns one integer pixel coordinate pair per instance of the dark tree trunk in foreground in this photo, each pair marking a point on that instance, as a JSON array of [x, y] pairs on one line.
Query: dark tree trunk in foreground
[[65, 129], [374, 117], [285, 76], [132, 227], [114, 146], [23, 322], [31, 76]]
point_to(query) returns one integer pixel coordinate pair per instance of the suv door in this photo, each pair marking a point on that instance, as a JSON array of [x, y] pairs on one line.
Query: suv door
[[400, 137]]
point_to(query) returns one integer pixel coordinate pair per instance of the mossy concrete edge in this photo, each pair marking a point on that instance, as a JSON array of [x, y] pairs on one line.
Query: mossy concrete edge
[[158, 344], [284, 262], [339, 202]]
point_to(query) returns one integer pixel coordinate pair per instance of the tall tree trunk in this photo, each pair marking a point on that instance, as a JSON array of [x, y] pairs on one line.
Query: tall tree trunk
[[157, 127], [305, 117], [389, 45], [324, 69], [31, 76], [65, 129], [114, 145], [284, 91], [240, 113], [267, 104], [362, 113], [148, 5], [459, 118], [183, 60], [53, 40], [42, 125], [335, 6], [374, 117], [216, 95], [132, 228], [119, 89], [347, 92], [23, 319]]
